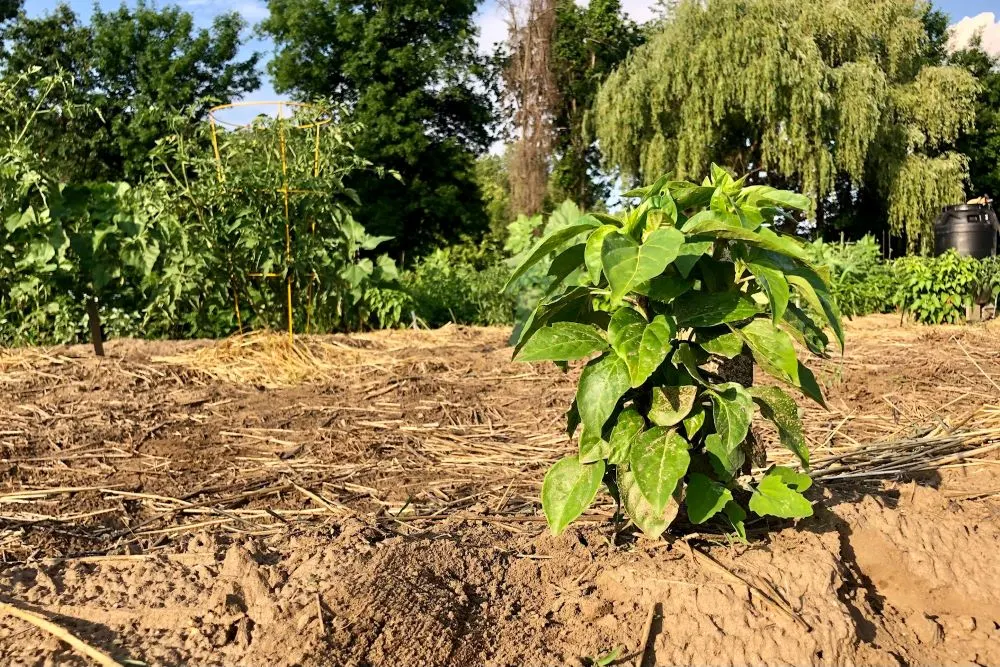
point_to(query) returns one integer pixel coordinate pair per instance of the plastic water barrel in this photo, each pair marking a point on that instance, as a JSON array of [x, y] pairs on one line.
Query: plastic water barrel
[[971, 229]]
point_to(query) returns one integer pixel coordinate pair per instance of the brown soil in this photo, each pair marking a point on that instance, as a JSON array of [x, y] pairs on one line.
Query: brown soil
[[384, 513]]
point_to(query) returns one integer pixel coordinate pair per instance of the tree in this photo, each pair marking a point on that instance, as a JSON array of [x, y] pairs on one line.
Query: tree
[[135, 66], [493, 179], [801, 92], [589, 42], [983, 144], [409, 72]]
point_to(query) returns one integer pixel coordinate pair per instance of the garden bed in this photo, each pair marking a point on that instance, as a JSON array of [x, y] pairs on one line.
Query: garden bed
[[372, 500]]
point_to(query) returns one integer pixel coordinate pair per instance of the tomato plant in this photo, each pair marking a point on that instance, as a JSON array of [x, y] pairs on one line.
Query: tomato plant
[[672, 304]]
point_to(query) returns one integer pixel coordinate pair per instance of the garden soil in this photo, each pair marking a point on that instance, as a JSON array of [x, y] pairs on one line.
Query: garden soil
[[381, 511]]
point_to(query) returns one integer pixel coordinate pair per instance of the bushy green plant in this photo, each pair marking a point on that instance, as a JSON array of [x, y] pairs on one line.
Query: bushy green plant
[[545, 275], [680, 296], [936, 290], [461, 284], [860, 281]]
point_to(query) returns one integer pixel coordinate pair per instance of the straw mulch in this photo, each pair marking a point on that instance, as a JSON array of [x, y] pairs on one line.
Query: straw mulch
[[402, 429]]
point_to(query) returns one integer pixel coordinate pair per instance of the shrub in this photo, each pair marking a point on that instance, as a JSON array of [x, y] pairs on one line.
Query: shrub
[[860, 281], [461, 284], [936, 290], [678, 298]]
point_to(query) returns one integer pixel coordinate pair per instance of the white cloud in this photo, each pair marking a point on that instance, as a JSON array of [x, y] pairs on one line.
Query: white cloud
[[963, 32]]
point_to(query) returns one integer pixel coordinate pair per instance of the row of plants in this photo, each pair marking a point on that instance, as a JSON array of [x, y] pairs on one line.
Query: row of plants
[[930, 290]]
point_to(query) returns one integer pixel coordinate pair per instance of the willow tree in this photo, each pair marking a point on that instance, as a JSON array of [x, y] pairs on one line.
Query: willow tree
[[798, 92]]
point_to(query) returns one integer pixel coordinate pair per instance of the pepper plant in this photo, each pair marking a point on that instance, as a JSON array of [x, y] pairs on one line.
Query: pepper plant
[[672, 304]]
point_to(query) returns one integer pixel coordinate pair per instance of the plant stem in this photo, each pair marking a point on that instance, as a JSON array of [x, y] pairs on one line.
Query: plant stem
[[94, 316]]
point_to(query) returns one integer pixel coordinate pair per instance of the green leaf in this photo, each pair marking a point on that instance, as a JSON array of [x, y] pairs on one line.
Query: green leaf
[[564, 264], [817, 294], [762, 238], [689, 254], [670, 405], [736, 516], [773, 349], [780, 494], [809, 386], [775, 285], [780, 408], [665, 288], [568, 489], [572, 419], [704, 498], [726, 345], [549, 244], [592, 253], [570, 305], [724, 460], [562, 341], [659, 460], [650, 522], [688, 195], [707, 309], [732, 413], [627, 264], [685, 356], [593, 447], [642, 345], [602, 383], [629, 426], [756, 193], [606, 219], [694, 421], [805, 330]]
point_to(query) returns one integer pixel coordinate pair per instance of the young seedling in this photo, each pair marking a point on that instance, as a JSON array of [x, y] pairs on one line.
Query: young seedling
[[672, 304]]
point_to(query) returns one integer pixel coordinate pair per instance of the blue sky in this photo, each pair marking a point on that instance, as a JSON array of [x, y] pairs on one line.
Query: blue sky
[[489, 17]]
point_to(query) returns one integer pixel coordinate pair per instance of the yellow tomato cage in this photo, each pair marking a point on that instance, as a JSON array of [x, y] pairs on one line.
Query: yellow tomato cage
[[279, 110]]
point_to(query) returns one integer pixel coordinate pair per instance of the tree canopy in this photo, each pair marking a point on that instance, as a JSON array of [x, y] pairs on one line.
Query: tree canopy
[[136, 67], [409, 72], [805, 93], [982, 146], [588, 43]]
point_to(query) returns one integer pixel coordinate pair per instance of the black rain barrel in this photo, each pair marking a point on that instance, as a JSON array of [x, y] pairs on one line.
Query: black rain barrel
[[971, 229]]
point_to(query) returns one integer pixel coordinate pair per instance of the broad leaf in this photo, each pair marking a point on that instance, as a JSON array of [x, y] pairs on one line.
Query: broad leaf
[[592, 253], [629, 426], [704, 497], [780, 494], [689, 254], [773, 349], [693, 422], [568, 489], [805, 330], [817, 295], [701, 309], [775, 285], [732, 413], [762, 238], [665, 288], [550, 244], [670, 405], [726, 345], [628, 264], [756, 193], [642, 345], [648, 520], [602, 383], [736, 516], [780, 408], [564, 264], [659, 460], [570, 305], [562, 341], [593, 447], [724, 460]]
